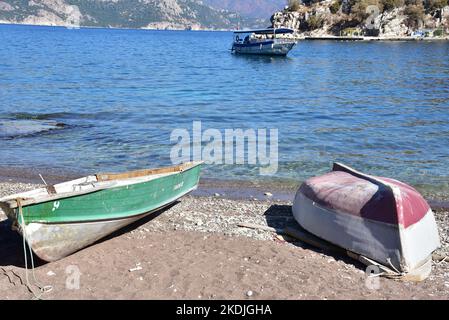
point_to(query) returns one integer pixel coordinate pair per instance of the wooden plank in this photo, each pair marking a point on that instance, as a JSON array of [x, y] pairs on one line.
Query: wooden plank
[[440, 258], [307, 237], [145, 172], [136, 174], [368, 262], [12, 203], [259, 227], [416, 275], [317, 242]]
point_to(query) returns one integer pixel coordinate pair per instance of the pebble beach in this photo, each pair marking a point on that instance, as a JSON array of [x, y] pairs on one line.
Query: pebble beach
[[196, 249]]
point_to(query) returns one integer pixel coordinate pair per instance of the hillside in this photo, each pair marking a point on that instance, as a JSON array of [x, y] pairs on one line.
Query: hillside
[[384, 18], [155, 14], [260, 9]]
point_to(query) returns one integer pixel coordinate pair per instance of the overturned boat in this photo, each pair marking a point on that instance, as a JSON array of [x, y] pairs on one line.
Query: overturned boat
[[59, 220], [379, 218], [271, 41]]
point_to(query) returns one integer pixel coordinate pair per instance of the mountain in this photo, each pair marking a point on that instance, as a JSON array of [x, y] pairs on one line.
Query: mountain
[[261, 9], [153, 14]]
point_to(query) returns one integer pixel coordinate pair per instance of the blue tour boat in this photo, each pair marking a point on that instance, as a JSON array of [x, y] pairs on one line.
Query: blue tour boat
[[271, 41]]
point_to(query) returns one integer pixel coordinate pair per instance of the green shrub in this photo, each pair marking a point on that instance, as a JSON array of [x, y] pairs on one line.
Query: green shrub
[[414, 2], [358, 10], [438, 33], [335, 6], [432, 5], [314, 22], [415, 14], [392, 4], [310, 2], [294, 5], [340, 25]]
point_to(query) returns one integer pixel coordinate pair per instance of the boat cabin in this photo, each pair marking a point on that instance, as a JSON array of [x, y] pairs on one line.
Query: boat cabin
[[249, 36]]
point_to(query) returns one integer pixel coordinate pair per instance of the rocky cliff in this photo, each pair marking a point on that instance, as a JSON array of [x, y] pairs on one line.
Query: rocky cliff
[[384, 18], [157, 14]]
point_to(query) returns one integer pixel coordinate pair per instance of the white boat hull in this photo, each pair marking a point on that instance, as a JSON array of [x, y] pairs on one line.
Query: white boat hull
[[51, 242], [272, 49], [404, 248], [78, 213]]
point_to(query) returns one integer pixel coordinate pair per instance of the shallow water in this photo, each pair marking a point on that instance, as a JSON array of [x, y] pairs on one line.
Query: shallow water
[[382, 107]]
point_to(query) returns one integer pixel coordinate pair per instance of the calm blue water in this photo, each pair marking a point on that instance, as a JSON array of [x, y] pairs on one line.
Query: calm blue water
[[381, 107]]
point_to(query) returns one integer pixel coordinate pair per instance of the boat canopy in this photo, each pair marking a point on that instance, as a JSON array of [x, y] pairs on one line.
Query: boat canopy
[[266, 31]]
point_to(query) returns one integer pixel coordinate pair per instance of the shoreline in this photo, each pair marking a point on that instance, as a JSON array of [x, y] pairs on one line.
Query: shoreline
[[370, 39], [208, 187], [275, 189], [112, 28], [298, 38]]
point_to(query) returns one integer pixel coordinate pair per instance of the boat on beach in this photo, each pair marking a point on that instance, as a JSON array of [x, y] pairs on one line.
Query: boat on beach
[[59, 220], [271, 41], [379, 218]]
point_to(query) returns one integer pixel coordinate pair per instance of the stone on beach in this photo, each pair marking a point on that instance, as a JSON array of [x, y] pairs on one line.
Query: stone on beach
[[136, 268]]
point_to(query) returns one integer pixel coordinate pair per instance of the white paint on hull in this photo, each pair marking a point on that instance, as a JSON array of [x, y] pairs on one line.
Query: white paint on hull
[[420, 240], [267, 49], [52, 242]]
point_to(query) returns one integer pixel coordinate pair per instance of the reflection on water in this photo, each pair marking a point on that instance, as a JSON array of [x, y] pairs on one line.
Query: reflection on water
[[254, 59], [382, 107]]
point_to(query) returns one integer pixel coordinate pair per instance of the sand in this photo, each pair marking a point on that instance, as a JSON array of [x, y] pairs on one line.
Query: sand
[[195, 250]]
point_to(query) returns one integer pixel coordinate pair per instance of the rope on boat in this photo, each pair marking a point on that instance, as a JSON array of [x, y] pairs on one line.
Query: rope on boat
[[393, 267], [445, 259], [42, 178], [42, 289]]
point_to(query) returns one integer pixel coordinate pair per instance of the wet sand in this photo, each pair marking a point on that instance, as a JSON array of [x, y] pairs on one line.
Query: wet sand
[[196, 250]]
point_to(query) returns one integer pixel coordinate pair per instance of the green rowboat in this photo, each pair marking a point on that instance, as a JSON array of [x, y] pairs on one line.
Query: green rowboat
[[59, 220]]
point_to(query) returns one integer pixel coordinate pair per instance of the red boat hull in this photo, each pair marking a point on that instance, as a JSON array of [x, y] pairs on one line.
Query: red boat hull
[[380, 218]]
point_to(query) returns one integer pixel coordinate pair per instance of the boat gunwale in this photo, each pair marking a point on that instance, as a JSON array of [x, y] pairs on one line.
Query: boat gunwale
[[12, 203]]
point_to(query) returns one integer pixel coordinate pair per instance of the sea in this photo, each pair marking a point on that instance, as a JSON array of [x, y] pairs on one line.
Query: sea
[[94, 100]]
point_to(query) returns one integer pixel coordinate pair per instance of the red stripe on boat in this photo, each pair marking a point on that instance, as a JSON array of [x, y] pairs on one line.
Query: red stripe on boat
[[411, 206], [367, 197]]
